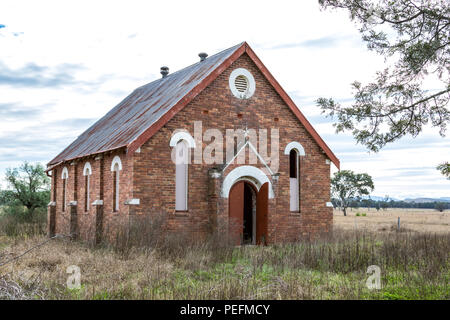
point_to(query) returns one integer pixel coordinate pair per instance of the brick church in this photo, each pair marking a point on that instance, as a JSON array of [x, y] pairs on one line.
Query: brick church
[[127, 165]]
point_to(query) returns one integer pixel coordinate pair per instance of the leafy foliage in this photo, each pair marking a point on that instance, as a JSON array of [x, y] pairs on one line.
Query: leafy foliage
[[28, 187], [417, 35], [440, 206], [347, 185], [444, 168]]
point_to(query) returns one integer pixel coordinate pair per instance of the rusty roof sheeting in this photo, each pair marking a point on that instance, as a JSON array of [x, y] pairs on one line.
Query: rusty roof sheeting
[[142, 108], [148, 108]]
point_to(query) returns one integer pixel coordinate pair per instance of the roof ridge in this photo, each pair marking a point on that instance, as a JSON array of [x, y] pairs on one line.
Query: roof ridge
[[192, 65], [148, 108]]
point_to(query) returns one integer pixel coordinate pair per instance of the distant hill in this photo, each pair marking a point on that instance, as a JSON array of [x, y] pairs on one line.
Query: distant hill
[[377, 202], [376, 198], [416, 200], [425, 200]]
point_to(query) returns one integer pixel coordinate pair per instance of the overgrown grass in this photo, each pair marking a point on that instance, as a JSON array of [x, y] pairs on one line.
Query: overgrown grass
[[413, 266], [17, 222]]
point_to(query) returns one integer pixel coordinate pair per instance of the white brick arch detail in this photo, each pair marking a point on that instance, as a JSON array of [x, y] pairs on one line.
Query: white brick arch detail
[[65, 173], [294, 145], [116, 160], [182, 135], [87, 170], [255, 175]]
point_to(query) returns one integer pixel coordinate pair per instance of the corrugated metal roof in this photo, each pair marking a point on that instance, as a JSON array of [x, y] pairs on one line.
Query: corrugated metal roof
[[148, 108], [141, 109]]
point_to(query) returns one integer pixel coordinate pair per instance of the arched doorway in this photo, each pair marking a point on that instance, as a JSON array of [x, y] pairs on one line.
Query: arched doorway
[[248, 209]]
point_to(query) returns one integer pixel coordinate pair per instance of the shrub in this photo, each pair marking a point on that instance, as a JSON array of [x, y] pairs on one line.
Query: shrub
[[440, 206], [149, 233], [15, 221]]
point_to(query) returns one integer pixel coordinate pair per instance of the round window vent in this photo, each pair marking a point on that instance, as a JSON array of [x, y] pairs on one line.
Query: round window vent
[[242, 83]]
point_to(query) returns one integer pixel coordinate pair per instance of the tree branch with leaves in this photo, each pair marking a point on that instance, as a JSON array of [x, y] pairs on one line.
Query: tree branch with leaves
[[416, 34], [444, 168]]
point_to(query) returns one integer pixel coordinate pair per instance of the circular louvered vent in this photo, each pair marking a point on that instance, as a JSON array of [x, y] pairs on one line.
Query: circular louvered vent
[[242, 83]]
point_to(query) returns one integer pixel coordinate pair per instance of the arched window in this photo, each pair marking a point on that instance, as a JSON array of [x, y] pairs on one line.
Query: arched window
[[116, 188], [182, 141], [294, 150], [293, 180], [87, 171], [64, 177], [116, 166], [181, 175]]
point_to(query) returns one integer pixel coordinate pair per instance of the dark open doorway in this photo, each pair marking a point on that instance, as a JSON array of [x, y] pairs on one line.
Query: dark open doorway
[[248, 211], [249, 214]]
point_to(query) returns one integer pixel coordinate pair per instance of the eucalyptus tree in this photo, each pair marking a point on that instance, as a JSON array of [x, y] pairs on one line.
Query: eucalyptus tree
[[28, 187], [414, 38], [347, 186]]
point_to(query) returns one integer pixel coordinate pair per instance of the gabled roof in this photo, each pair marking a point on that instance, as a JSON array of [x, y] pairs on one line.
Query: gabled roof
[[134, 120]]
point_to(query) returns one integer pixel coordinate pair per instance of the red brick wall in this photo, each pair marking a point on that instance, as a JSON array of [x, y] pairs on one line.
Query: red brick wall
[[154, 178], [150, 174], [86, 220]]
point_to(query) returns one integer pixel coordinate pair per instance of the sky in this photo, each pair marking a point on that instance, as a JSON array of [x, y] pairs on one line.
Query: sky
[[64, 64]]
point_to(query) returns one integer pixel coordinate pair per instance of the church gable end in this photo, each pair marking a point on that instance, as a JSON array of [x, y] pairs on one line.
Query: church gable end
[[140, 179], [216, 107]]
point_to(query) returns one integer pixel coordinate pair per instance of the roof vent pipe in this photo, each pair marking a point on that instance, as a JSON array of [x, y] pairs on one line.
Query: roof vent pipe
[[202, 56], [164, 71]]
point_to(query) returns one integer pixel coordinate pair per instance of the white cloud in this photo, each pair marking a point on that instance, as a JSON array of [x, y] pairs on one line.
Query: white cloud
[[116, 46]]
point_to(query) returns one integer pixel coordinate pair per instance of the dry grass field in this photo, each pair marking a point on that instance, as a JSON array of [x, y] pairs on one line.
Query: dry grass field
[[414, 265], [414, 220]]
